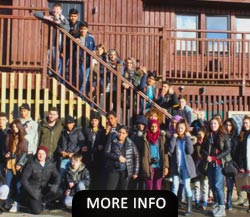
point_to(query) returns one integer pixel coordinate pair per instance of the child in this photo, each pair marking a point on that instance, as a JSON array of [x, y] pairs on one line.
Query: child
[[201, 183], [76, 178]]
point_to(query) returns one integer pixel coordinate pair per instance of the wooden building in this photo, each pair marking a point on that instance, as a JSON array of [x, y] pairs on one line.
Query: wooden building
[[202, 45]]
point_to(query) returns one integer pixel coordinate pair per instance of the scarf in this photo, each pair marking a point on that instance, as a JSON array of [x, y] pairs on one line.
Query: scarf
[[153, 137]]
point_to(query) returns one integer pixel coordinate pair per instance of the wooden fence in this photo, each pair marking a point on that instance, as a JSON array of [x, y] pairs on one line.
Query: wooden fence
[[13, 94]]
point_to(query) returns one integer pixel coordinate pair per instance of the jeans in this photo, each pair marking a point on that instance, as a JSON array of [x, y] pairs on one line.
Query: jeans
[[60, 61], [186, 181], [14, 184], [216, 182], [68, 198], [230, 185], [201, 189], [83, 85]]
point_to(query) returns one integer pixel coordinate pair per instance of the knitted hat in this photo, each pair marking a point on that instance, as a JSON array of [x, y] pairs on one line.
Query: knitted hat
[[44, 148], [69, 119], [141, 119], [25, 106], [176, 118], [94, 115]]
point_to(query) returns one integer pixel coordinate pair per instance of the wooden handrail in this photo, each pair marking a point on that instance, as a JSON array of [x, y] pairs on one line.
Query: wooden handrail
[[109, 68]]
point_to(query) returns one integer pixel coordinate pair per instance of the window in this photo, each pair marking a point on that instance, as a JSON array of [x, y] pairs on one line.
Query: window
[[219, 23], [187, 22], [242, 25]]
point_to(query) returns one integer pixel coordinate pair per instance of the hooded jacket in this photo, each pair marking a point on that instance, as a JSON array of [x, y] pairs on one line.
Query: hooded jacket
[[49, 136], [81, 174], [70, 142], [31, 128]]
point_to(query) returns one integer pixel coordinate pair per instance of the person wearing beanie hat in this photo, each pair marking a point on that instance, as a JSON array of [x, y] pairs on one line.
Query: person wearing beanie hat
[[141, 119], [43, 148], [25, 106], [70, 142], [41, 181], [94, 115], [31, 128], [173, 123], [137, 136], [155, 161], [69, 120]]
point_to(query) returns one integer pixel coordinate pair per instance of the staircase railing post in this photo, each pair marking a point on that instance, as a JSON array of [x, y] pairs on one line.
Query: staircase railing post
[[118, 92]]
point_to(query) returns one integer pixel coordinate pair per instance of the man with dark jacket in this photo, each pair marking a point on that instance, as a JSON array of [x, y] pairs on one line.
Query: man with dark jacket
[[167, 98], [94, 155], [41, 181], [70, 142]]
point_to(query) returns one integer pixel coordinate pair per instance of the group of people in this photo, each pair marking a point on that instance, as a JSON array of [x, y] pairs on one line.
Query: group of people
[[53, 159], [121, 157], [80, 62]]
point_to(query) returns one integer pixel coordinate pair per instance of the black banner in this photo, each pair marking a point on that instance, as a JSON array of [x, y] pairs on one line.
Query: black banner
[[125, 203]]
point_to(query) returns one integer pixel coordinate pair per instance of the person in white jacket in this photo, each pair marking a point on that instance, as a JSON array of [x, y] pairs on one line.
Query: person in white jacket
[[31, 128]]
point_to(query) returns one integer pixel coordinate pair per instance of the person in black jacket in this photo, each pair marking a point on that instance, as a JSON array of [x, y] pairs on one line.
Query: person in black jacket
[[216, 151], [167, 98], [94, 136], [70, 142], [137, 136], [41, 181], [122, 161], [244, 145], [232, 131], [3, 135]]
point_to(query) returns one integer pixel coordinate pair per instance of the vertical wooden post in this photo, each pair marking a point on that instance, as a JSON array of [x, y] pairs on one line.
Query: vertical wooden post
[[118, 92], [243, 67], [44, 54], [164, 53]]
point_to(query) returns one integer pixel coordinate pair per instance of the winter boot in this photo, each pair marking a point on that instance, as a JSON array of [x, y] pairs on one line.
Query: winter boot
[[189, 206]]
